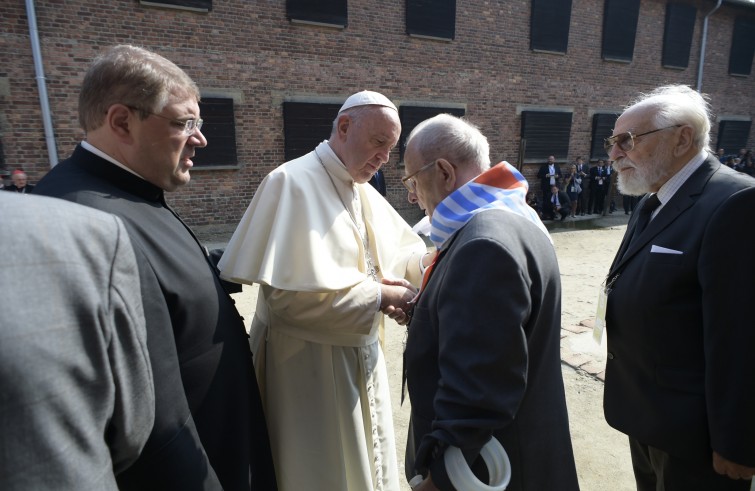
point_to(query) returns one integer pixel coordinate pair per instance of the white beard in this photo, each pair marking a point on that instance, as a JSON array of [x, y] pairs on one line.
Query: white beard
[[639, 179]]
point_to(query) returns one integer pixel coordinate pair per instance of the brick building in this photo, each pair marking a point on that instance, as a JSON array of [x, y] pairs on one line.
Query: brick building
[[540, 77]]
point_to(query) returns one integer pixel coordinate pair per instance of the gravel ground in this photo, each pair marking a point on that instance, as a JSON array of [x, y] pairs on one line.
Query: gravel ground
[[585, 247]]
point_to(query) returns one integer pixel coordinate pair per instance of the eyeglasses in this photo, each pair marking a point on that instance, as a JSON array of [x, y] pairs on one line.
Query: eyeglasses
[[410, 183], [189, 126], [625, 141]]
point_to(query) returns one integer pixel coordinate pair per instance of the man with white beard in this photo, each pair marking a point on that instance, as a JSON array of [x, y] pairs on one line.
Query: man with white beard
[[680, 375]]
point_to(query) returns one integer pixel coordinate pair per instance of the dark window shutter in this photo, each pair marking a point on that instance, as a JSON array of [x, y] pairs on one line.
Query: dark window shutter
[[433, 18], [549, 25], [219, 128], [199, 5], [602, 128], [546, 133], [620, 29], [733, 135], [411, 116], [305, 125], [677, 35], [742, 46], [332, 12]]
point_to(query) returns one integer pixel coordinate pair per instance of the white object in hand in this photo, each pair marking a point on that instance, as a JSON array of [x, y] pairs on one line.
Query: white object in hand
[[495, 457]]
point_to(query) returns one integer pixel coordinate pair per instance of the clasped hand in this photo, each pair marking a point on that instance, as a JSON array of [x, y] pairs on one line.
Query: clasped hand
[[397, 299], [731, 469]]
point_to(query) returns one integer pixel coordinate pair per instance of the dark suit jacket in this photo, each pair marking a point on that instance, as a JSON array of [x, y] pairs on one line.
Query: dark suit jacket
[[586, 177], [596, 174], [545, 182], [680, 374], [209, 427], [378, 182], [563, 201], [483, 356], [28, 189]]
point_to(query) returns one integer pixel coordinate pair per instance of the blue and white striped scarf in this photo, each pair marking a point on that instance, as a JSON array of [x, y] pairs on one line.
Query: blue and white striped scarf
[[501, 187]]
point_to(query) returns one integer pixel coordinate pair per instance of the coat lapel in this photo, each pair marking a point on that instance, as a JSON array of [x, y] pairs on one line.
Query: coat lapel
[[684, 198]]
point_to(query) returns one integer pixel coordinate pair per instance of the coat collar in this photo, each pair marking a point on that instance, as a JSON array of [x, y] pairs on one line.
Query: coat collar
[[120, 178]]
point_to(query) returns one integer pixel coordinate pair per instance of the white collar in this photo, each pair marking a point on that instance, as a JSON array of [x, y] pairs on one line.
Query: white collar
[[88, 146], [670, 187]]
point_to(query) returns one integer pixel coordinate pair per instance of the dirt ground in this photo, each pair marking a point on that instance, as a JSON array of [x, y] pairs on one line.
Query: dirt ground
[[601, 453]]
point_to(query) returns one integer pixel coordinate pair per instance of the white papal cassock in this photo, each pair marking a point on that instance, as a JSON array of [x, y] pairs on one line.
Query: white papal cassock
[[315, 331]]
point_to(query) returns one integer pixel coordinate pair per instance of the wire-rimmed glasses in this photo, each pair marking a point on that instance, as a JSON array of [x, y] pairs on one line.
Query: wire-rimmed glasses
[[625, 140], [189, 126], [410, 183]]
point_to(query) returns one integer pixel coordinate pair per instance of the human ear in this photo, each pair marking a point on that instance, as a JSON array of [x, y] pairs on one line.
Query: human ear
[[448, 172], [342, 125], [685, 141], [119, 119]]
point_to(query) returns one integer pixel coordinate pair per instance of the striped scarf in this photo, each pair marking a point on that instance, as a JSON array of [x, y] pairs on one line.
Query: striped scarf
[[499, 188]]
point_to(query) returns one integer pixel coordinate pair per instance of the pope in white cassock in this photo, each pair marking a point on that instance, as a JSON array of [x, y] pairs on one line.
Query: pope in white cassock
[[331, 257]]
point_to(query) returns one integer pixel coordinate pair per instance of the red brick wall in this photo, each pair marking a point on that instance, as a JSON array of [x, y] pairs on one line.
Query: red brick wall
[[250, 50]]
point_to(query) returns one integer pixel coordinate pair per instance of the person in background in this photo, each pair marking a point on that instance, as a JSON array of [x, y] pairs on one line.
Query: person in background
[[629, 203], [609, 187], [583, 178], [329, 254], [598, 185], [549, 174], [77, 399], [573, 188], [680, 375], [377, 181], [141, 116], [534, 203], [19, 185], [559, 203], [748, 166], [482, 357]]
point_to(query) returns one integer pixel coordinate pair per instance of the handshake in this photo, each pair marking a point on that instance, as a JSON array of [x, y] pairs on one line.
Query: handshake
[[397, 298]]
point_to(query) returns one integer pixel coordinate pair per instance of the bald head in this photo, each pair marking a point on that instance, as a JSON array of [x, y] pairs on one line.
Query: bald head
[[454, 139]]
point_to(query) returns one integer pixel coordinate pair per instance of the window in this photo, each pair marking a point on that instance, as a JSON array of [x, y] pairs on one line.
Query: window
[[549, 25], [219, 128], [195, 5], [742, 46], [305, 125], [620, 29], [733, 135], [602, 128], [677, 35], [411, 116], [321, 12], [545, 133], [431, 18]]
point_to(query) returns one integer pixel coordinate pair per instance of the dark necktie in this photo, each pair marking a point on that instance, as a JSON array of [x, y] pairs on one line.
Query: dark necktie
[[650, 204]]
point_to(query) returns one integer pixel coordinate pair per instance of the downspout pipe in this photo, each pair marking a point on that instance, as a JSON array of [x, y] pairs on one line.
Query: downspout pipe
[[52, 150], [703, 44]]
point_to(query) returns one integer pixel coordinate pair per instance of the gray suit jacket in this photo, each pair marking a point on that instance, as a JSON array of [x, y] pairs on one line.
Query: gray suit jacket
[[680, 374], [483, 355], [76, 392]]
